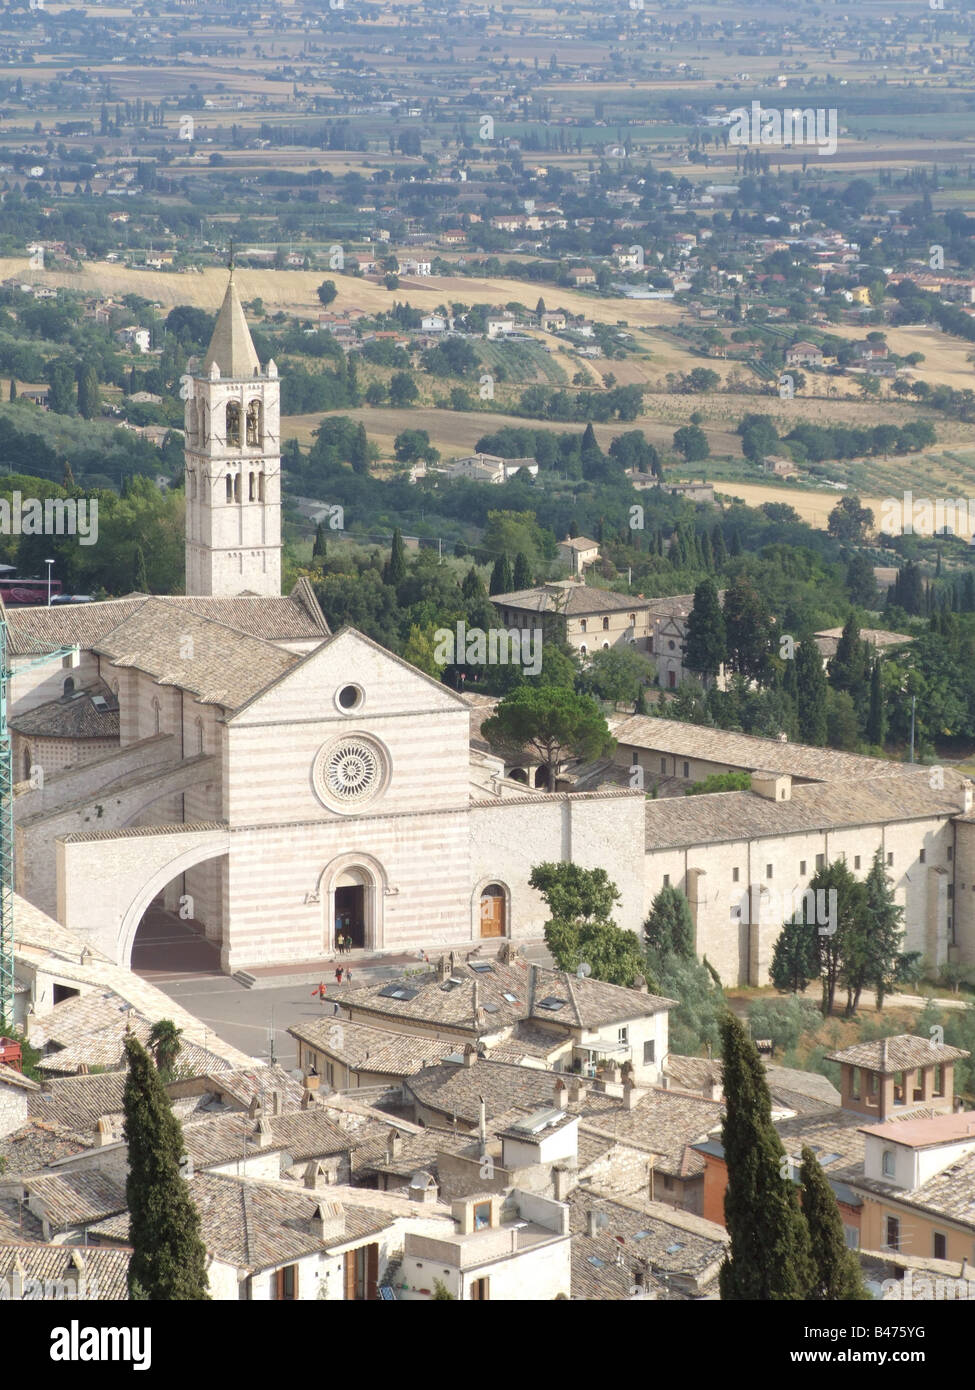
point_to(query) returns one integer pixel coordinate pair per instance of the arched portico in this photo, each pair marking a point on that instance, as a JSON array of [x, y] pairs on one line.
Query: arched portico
[[139, 863], [352, 890]]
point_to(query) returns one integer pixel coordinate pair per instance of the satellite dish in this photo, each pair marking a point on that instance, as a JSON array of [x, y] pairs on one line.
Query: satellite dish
[[584, 970]]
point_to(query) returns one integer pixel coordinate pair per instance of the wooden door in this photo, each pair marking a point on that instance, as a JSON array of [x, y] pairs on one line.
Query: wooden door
[[350, 1275], [372, 1272], [492, 913]]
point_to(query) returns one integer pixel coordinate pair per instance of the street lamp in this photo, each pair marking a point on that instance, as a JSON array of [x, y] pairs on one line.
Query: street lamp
[[49, 564]]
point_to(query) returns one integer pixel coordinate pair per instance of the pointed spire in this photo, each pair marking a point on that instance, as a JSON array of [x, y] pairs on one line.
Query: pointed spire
[[231, 346]]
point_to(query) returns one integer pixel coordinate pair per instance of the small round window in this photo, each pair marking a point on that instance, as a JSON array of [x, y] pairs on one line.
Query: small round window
[[349, 698]]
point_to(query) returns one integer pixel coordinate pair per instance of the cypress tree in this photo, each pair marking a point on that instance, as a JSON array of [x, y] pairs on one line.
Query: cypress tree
[[669, 929], [876, 714], [885, 929], [811, 684], [89, 400], [718, 547], [502, 580], [359, 452], [67, 479], [770, 1257], [13, 389], [141, 571], [320, 549], [395, 571], [522, 578], [168, 1256], [837, 1270], [472, 588], [705, 647]]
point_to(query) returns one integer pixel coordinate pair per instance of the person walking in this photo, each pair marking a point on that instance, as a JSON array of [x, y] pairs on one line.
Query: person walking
[[338, 975], [340, 943], [320, 991]]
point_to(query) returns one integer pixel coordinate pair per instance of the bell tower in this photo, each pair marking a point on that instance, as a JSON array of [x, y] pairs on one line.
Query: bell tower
[[233, 464]]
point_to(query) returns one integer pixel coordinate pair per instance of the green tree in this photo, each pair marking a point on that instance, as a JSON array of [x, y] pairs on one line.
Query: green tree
[[836, 1269], [419, 650], [522, 578], [575, 894], [885, 932], [89, 399], [795, 956], [168, 1256], [769, 1258], [13, 389], [320, 549], [669, 929], [402, 389], [395, 570], [502, 580], [359, 452], [848, 521], [617, 674], [876, 730], [327, 292], [811, 690], [840, 937], [692, 442], [704, 649], [748, 630], [612, 954], [552, 723], [440, 1292], [849, 669]]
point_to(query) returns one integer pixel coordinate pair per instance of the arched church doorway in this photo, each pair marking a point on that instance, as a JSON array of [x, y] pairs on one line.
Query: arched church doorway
[[493, 911], [351, 905]]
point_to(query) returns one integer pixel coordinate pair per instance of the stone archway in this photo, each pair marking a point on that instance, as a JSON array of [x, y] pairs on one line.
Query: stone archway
[[490, 910], [352, 890]]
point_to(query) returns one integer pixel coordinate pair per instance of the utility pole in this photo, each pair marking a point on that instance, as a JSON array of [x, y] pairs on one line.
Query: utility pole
[[913, 708]]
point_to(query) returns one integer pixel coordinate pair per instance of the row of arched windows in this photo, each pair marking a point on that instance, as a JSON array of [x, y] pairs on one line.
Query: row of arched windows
[[253, 423], [255, 487]]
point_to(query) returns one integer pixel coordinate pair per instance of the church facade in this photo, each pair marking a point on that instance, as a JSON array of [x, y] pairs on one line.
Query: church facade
[[279, 785]]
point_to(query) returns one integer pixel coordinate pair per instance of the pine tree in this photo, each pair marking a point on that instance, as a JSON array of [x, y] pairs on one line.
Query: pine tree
[[395, 571], [849, 669], [502, 580], [67, 480], [705, 647], [876, 729], [837, 1274], [770, 1256], [320, 549], [812, 688], [13, 389], [522, 577], [168, 1256]]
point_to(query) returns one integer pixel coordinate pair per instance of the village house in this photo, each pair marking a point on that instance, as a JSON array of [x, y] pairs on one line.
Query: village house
[[578, 552], [588, 619]]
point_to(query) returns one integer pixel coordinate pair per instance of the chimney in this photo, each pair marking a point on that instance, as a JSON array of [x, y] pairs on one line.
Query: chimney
[[443, 968], [482, 1129], [631, 1096], [577, 1090], [592, 1227], [328, 1221], [967, 795], [883, 1055], [263, 1135], [470, 1054], [563, 1181], [275, 1102], [307, 1099], [254, 1108], [394, 1143], [105, 1135], [476, 1002], [640, 985], [560, 1099], [315, 1175]]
